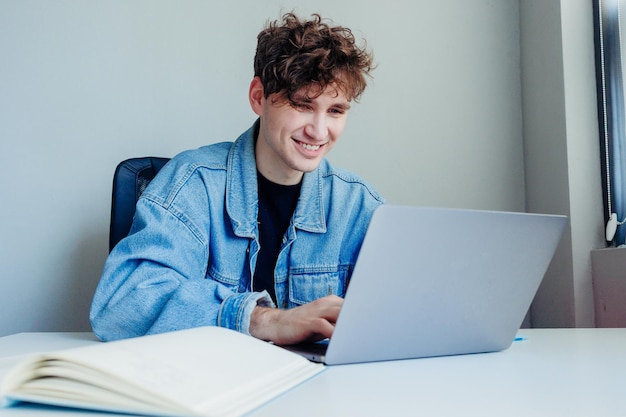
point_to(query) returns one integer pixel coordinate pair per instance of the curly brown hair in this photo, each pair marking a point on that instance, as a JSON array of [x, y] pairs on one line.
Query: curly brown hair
[[295, 54]]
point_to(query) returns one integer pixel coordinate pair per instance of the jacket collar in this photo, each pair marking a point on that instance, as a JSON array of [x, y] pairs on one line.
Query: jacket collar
[[242, 193]]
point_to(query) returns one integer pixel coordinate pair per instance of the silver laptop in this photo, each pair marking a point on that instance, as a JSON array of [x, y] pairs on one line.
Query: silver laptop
[[437, 282]]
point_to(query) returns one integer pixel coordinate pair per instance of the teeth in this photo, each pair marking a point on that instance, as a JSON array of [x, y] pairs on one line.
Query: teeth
[[310, 147]]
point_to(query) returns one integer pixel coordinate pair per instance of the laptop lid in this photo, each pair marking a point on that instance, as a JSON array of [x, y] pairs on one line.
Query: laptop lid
[[436, 282]]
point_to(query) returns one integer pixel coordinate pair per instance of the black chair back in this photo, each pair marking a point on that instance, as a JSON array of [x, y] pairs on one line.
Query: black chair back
[[131, 178]]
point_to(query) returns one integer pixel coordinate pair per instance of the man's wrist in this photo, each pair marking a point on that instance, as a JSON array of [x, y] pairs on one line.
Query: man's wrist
[[236, 310], [261, 321]]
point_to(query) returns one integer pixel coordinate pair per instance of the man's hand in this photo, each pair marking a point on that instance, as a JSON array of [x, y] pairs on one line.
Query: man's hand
[[308, 323]]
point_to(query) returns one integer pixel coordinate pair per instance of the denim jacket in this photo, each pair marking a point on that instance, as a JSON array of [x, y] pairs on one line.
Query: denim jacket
[[190, 255]]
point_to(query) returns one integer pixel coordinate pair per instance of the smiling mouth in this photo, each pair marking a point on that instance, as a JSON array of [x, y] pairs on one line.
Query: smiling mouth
[[309, 147]]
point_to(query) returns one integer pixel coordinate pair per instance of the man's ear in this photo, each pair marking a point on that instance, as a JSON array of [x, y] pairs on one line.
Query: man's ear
[[256, 95]]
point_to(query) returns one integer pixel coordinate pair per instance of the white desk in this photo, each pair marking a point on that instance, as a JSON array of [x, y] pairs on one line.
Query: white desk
[[555, 372]]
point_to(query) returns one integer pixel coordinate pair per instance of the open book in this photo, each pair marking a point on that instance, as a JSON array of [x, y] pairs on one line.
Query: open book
[[206, 371]]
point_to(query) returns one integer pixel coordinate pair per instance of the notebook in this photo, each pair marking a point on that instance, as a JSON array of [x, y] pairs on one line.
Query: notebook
[[437, 282]]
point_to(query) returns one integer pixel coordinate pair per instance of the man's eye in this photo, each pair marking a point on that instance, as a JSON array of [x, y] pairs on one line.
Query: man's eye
[[300, 105], [337, 111]]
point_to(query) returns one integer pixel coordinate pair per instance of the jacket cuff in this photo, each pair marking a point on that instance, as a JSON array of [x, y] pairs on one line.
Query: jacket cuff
[[236, 310]]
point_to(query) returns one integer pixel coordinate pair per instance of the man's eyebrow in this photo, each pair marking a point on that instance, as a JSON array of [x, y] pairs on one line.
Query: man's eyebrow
[[342, 106]]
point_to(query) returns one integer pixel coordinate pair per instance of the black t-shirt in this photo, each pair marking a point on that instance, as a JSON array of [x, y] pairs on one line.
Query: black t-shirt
[[276, 206]]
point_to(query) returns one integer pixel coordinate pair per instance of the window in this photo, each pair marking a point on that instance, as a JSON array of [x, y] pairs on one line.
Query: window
[[609, 36]]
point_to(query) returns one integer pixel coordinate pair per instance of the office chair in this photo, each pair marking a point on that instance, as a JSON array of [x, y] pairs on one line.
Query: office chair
[[130, 179]]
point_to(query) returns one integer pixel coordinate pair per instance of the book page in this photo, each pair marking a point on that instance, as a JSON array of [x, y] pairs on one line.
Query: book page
[[199, 370]]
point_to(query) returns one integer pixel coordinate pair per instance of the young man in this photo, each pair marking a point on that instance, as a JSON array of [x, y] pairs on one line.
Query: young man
[[260, 235]]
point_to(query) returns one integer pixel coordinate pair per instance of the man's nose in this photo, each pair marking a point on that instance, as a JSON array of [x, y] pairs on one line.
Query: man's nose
[[317, 128]]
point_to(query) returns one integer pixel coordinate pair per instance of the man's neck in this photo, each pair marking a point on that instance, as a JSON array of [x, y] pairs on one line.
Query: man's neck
[[270, 169]]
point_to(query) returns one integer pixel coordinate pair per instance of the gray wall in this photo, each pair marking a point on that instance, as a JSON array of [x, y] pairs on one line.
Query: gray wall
[[562, 150], [85, 84]]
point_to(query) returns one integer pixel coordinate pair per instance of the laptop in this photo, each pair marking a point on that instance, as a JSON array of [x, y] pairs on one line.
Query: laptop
[[437, 282]]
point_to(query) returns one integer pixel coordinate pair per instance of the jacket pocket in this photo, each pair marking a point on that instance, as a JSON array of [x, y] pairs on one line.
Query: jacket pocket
[[232, 283], [307, 286]]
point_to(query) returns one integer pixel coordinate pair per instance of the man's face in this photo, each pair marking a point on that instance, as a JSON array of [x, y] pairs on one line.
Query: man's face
[[294, 137]]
